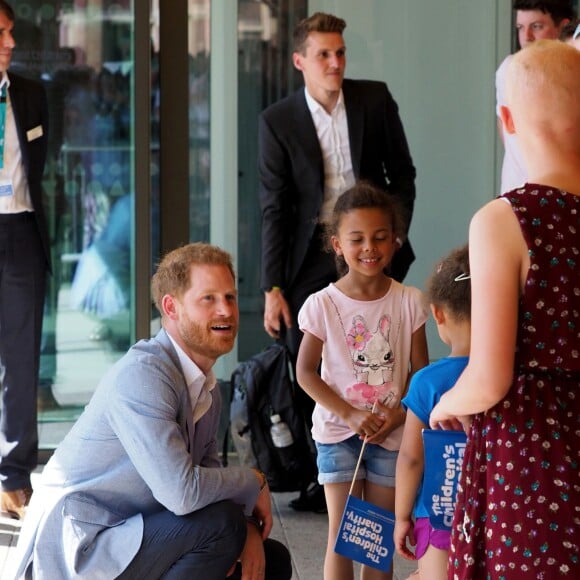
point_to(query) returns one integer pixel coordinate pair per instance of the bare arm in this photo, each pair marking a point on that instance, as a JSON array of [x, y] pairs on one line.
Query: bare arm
[[499, 264], [419, 353], [263, 510], [252, 558], [409, 473]]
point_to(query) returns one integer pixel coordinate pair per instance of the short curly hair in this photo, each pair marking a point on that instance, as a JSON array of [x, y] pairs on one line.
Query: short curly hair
[[449, 285], [363, 195]]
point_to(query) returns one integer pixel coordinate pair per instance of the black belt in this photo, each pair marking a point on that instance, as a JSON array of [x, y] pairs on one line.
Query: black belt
[[16, 218]]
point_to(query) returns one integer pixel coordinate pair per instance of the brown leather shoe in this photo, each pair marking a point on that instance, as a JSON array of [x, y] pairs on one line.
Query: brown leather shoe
[[13, 503]]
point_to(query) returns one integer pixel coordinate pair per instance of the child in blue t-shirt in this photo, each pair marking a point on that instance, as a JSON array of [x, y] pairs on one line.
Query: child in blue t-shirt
[[449, 293]]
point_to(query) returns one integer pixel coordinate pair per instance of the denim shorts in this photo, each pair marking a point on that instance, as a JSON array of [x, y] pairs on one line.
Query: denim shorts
[[337, 462]]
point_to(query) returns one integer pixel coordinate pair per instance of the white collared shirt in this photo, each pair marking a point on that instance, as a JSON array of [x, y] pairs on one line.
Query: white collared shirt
[[513, 171], [198, 384], [13, 169], [332, 131]]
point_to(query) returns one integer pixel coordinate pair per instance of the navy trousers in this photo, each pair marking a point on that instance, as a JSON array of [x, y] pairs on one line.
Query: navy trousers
[[203, 544], [22, 291]]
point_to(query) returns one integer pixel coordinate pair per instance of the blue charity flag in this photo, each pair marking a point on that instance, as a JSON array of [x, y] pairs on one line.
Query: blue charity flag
[[444, 451], [366, 534]]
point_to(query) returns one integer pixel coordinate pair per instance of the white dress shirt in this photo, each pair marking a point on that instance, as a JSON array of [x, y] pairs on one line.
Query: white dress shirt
[[198, 384], [13, 169], [332, 131]]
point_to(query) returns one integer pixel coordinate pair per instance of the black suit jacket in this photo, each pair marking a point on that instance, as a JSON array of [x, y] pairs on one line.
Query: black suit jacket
[[30, 108], [292, 174]]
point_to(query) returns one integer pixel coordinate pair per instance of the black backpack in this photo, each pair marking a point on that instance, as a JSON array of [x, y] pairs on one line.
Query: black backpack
[[261, 387]]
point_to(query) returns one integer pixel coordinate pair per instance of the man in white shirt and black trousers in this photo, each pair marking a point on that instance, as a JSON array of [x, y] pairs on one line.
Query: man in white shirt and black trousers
[[24, 265]]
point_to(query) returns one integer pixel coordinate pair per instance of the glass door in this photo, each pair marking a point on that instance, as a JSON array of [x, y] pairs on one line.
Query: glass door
[[265, 75], [82, 50]]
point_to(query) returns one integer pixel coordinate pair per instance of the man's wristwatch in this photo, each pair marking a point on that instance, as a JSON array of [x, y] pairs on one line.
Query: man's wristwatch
[[255, 522], [262, 477]]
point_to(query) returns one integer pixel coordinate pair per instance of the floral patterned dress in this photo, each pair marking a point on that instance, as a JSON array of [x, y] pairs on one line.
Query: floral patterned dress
[[518, 509]]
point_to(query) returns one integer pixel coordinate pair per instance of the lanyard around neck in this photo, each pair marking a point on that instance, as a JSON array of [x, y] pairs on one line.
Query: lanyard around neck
[[3, 91]]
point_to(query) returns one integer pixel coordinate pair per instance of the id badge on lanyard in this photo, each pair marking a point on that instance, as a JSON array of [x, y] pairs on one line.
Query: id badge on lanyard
[[3, 90], [5, 184]]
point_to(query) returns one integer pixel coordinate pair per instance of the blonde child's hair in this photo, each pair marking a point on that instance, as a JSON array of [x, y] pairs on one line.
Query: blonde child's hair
[[543, 90]]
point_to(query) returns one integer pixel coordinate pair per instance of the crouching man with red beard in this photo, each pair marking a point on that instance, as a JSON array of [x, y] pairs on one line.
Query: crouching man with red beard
[[136, 488]]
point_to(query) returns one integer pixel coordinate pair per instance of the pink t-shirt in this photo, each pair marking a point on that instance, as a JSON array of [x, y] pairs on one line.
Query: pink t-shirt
[[366, 351]]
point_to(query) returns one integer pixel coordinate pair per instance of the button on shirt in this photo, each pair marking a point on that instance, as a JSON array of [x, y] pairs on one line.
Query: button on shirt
[[13, 169], [332, 131], [198, 384]]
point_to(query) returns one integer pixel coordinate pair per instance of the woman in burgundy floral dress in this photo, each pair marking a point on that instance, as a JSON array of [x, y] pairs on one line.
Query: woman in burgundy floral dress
[[518, 508]]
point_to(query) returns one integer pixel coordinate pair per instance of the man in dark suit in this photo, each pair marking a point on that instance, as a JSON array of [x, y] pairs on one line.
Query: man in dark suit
[[313, 145], [24, 264]]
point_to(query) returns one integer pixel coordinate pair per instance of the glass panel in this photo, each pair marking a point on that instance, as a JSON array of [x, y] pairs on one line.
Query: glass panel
[[154, 138], [265, 75], [199, 146], [82, 51]]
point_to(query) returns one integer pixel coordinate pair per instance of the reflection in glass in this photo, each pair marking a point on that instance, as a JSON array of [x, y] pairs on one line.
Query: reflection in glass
[[265, 75], [199, 146], [82, 51]]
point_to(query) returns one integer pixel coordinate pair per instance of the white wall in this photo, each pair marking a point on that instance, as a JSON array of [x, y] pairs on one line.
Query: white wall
[[439, 60], [223, 139]]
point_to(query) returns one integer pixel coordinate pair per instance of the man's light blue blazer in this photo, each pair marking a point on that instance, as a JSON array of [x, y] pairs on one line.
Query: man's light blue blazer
[[134, 451]]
